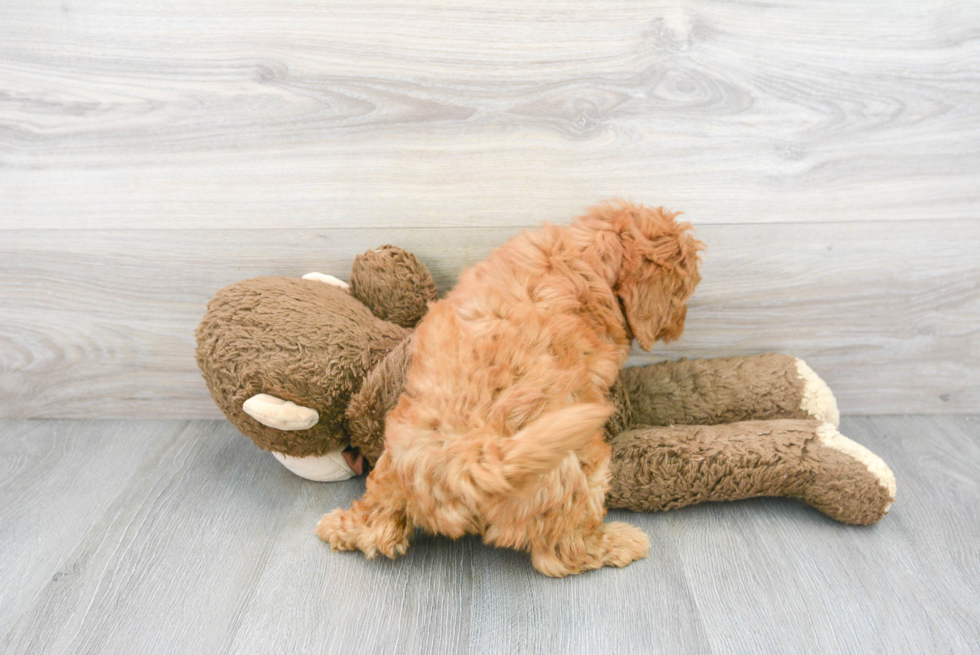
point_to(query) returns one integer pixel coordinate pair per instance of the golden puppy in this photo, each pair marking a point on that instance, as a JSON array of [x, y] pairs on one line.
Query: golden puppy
[[499, 430]]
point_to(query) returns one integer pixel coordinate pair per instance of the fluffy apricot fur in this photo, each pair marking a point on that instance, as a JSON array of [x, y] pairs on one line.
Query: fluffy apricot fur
[[499, 430]]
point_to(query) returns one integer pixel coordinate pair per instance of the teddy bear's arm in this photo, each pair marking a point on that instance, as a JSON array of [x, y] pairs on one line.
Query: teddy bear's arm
[[725, 390], [658, 468], [377, 396], [280, 414]]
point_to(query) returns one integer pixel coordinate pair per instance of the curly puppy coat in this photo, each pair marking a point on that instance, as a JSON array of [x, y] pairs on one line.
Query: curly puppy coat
[[499, 430]]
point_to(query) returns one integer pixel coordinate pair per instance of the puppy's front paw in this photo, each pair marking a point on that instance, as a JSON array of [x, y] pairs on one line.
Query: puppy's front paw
[[346, 530], [334, 528]]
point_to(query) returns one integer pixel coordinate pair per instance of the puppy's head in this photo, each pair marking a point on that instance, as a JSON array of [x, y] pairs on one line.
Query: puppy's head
[[659, 269]]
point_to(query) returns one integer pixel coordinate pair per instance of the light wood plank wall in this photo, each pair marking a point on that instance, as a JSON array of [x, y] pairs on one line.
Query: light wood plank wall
[[150, 153]]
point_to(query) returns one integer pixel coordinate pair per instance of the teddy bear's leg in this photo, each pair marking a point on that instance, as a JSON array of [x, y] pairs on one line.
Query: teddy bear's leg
[[660, 468], [724, 390], [280, 414], [335, 466], [377, 523]]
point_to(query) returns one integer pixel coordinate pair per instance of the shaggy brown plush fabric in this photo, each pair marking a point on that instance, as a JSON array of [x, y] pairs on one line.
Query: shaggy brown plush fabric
[[393, 284], [299, 340], [661, 468], [710, 391], [378, 396]]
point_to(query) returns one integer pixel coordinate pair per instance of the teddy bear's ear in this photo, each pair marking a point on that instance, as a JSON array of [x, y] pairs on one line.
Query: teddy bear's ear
[[280, 414], [327, 279], [393, 284]]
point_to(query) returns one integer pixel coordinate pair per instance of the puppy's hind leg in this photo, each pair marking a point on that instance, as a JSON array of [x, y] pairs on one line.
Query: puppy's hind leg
[[623, 543], [377, 523], [611, 544], [591, 544]]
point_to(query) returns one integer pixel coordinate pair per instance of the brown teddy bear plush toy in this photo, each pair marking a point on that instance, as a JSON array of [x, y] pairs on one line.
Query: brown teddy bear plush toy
[[308, 369]]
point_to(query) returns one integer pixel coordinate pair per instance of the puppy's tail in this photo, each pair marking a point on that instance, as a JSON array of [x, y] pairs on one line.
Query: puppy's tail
[[539, 447]]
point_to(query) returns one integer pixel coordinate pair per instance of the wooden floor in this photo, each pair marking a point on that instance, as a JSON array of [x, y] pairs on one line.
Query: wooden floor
[[179, 536]]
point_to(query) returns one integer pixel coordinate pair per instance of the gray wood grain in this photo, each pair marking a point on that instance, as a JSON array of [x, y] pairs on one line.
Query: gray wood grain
[[158, 537], [146, 573], [54, 478], [943, 455], [906, 584], [100, 323], [230, 114]]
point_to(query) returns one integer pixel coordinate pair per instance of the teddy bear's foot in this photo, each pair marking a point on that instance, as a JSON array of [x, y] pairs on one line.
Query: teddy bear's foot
[[658, 468], [850, 483], [817, 399], [332, 467]]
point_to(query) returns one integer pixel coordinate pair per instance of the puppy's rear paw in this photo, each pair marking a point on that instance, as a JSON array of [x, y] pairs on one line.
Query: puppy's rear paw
[[624, 543]]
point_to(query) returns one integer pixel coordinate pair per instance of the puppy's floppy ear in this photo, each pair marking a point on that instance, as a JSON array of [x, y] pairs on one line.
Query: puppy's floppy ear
[[659, 273]]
